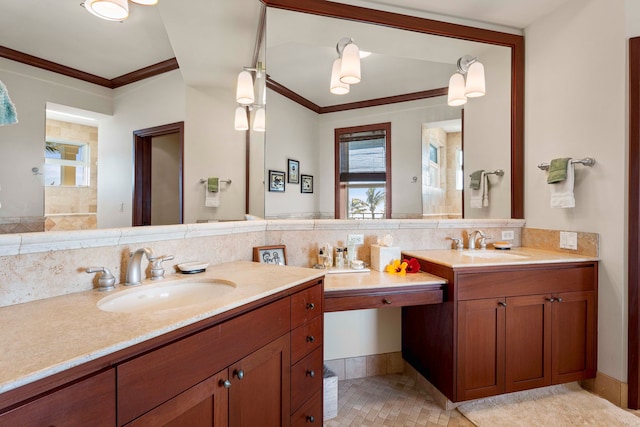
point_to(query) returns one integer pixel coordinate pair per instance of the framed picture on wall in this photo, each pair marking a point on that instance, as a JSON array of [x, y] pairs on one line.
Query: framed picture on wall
[[307, 184], [276, 181], [276, 254], [294, 172]]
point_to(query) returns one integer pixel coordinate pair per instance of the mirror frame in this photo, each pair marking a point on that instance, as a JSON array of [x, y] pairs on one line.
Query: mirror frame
[[445, 29]]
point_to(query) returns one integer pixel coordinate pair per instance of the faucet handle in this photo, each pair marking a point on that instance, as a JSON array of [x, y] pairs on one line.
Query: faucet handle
[[483, 242], [106, 281], [457, 241], [157, 271]]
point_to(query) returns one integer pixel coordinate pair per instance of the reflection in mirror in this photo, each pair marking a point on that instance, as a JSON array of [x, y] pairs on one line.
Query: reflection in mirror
[[410, 66]]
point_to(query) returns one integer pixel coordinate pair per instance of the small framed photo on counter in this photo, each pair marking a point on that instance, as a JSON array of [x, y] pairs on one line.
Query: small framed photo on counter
[[276, 254], [276, 181], [307, 184]]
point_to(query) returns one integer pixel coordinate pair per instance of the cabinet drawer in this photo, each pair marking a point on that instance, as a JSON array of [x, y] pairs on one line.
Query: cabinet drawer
[[91, 401], [151, 379], [305, 305], [310, 413], [306, 338], [306, 378], [527, 281], [392, 299]]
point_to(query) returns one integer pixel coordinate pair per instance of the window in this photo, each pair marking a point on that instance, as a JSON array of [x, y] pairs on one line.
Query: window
[[434, 166], [66, 163], [363, 172]]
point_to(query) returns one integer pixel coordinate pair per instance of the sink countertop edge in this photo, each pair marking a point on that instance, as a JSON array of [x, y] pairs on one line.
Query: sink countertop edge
[[89, 333]]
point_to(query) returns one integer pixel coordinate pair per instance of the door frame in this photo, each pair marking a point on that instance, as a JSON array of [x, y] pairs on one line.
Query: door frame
[[142, 170]]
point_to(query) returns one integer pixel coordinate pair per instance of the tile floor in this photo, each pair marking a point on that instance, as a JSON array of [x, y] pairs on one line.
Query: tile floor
[[390, 400]]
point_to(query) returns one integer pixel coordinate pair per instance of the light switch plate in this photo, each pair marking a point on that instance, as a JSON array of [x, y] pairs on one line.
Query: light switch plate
[[569, 240]]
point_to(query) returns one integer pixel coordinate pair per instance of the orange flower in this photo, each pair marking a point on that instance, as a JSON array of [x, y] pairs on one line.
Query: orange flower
[[413, 266], [396, 267]]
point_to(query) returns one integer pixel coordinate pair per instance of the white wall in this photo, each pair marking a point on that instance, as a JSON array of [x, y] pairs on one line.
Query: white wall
[[575, 107], [22, 144], [292, 134]]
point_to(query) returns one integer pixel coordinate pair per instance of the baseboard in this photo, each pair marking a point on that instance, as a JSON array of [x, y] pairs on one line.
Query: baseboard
[[615, 391], [366, 366]]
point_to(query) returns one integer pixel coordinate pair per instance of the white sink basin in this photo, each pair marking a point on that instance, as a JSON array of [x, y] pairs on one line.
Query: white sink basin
[[165, 296], [498, 255]]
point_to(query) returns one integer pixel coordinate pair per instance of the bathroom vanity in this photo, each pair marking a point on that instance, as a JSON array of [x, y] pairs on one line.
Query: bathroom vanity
[[509, 322], [252, 358]]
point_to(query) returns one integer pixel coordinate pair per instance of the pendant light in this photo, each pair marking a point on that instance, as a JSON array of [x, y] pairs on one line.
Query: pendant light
[[474, 86], [111, 10], [350, 64], [241, 122], [259, 120], [244, 89], [456, 96], [337, 87]]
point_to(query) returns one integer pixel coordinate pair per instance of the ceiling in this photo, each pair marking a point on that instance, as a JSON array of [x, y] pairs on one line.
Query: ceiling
[[211, 39]]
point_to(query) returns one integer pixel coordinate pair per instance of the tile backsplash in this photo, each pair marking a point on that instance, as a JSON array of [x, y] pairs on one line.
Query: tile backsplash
[[42, 265]]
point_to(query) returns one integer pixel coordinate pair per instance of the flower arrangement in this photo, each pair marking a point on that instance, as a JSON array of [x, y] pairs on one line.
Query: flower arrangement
[[406, 266]]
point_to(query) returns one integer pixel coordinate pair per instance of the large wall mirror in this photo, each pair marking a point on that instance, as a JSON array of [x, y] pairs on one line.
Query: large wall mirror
[[411, 60]]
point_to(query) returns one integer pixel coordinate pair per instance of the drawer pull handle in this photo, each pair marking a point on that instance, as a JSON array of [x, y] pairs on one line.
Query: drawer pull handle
[[386, 301], [311, 373], [239, 373], [559, 299], [502, 303], [311, 306], [551, 299], [310, 419], [310, 338], [225, 383]]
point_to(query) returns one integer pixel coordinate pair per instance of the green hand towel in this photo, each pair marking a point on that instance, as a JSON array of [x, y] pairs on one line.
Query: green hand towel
[[558, 170], [212, 185], [476, 176]]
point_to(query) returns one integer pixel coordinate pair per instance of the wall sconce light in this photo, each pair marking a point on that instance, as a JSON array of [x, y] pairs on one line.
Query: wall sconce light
[[346, 69], [245, 97], [113, 10], [474, 86]]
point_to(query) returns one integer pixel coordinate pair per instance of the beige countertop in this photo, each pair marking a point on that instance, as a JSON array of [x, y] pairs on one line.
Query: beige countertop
[[492, 257], [377, 280], [48, 336]]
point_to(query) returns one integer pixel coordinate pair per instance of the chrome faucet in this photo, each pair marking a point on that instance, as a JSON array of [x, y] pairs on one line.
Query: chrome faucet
[[134, 268], [472, 239]]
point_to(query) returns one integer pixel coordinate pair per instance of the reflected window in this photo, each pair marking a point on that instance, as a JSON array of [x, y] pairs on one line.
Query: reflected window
[[363, 173], [459, 176], [66, 163], [433, 177]]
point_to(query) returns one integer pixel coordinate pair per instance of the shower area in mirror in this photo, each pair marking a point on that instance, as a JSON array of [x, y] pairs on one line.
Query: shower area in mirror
[[442, 171], [69, 174]]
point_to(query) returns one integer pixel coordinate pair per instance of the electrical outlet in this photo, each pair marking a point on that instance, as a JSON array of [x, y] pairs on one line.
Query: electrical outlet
[[508, 235], [355, 239], [569, 240]]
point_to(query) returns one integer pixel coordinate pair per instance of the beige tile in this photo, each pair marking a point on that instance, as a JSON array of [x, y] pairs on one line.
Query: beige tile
[[356, 367], [337, 367], [395, 363], [377, 364]]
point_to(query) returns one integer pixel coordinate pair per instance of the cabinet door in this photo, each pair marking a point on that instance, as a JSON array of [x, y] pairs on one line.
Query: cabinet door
[[260, 387], [481, 345], [528, 342], [203, 405], [574, 336], [90, 402]]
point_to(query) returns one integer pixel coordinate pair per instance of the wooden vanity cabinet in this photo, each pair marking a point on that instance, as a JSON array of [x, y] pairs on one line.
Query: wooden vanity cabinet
[[506, 329]]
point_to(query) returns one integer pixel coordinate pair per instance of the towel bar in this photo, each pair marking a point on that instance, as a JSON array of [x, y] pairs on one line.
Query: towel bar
[[498, 172], [204, 181], [587, 161]]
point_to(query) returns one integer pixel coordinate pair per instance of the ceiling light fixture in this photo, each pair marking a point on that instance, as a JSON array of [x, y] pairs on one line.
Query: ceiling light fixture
[[113, 10], [474, 86], [346, 69]]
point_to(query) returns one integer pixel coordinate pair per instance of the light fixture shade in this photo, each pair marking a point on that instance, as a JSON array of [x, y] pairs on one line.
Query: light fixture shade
[[259, 120], [145, 2], [350, 64], [111, 10], [244, 90], [475, 80], [456, 95], [241, 122], [337, 87]]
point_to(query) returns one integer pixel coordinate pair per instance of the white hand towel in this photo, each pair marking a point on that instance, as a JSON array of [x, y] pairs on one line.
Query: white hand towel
[[485, 190], [211, 199], [562, 192], [478, 196]]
